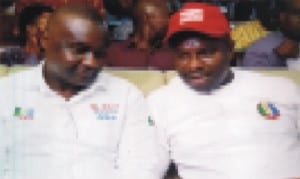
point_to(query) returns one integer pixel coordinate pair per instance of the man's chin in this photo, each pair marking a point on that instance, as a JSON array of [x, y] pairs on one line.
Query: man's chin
[[84, 80], [83, 84], [199, 84]]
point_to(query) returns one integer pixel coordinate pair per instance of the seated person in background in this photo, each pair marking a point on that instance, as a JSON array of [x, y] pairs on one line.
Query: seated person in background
[[245, 33], [32, 22], [144, 49], [118, 15], [219, 123], [65, 119], [279, 48]]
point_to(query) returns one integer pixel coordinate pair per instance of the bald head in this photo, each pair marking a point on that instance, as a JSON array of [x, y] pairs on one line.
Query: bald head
[[150, 18], [71, 18], [76, 11], [76, 45], [147, 7]]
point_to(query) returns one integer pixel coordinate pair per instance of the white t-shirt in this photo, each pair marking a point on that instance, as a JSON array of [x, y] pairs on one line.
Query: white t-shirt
[[102, 132], [294, 64], [248, 129]]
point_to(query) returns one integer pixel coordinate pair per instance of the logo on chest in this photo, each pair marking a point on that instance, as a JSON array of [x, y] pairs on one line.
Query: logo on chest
[[105, 111], [268, 110], [24, 113]]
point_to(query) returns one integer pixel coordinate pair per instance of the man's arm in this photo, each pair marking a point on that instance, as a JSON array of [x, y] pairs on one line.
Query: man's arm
[[158, 116], [138, 156], [287, 49], [298, 112]]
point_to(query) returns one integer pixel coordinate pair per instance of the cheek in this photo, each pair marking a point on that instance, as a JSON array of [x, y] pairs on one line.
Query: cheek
[[181, 66], [218, 60], [67, 56]]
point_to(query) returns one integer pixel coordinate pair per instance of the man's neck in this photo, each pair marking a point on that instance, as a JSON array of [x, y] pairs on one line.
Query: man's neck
[[62, 88], [224, 80]]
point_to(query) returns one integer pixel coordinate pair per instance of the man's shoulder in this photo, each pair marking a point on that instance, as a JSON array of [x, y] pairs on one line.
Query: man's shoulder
[[258, 83]]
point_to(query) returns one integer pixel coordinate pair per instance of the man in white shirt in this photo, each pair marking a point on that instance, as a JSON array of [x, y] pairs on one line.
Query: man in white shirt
[[216, 123], [65, 119]]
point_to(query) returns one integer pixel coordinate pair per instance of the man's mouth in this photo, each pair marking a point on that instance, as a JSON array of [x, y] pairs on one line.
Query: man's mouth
[[197, 78]]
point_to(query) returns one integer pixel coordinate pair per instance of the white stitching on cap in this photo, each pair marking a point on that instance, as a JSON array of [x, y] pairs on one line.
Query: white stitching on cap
[[191, 15]]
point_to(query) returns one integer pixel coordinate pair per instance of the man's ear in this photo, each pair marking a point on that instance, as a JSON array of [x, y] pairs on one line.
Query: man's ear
[[230, 49]]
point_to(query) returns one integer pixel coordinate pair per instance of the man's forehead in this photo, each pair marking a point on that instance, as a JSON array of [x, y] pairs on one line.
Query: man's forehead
[[77, 25], [196, 42], [191, 43]]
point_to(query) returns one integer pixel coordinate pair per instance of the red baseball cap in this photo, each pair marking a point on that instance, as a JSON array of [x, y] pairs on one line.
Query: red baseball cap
[[199, 17]]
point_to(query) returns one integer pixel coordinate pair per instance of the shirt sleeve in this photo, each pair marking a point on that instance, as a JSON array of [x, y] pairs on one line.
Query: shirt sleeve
[[5, 137], [298, 112], [138, 157], [262, 55], [158, 116]]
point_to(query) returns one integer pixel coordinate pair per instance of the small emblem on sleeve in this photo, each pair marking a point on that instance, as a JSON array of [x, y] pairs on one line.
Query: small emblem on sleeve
[[24, 114], [268, 110], [150, 121], [105, 111]]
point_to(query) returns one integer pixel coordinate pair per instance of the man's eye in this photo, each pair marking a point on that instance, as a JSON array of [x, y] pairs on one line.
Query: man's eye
[[81, 50]]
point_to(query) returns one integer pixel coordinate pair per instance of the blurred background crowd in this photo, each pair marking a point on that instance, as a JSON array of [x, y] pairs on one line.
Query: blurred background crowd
[[23, 28]]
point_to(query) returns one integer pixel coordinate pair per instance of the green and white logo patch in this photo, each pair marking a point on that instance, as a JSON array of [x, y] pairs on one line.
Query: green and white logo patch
[[150, 121]]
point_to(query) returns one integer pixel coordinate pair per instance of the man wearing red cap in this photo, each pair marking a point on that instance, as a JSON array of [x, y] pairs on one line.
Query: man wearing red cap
[[218, 123]]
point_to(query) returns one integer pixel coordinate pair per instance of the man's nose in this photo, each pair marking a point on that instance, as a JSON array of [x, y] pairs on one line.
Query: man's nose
[[196, 62]]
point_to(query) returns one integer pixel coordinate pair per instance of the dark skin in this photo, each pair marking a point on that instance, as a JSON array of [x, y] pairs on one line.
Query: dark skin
[[290, 26], [203, 64], [152, 17], [73, 54]]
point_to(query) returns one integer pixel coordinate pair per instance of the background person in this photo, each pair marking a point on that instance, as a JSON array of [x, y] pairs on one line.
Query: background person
[[279, 48], [144, 49]]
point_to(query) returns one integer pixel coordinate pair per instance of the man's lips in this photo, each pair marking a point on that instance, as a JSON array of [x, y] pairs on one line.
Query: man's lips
[[198, 78]]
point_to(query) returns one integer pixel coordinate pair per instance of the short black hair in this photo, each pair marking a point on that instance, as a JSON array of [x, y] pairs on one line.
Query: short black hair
[[28, 16], [178, 37]]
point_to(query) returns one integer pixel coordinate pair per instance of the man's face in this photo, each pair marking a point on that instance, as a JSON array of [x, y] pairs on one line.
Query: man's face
[[75, 50], [203, 64], [42, 23], [158, 21], [290, 21]]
